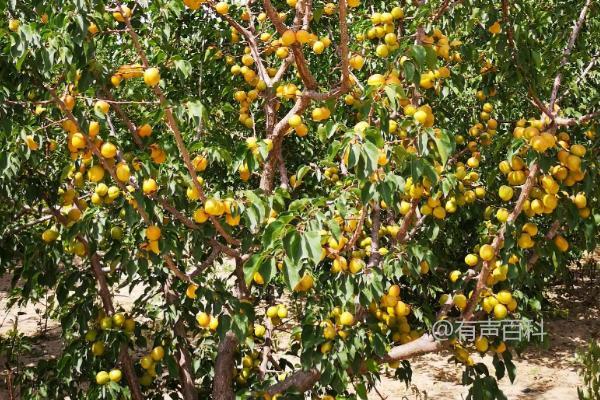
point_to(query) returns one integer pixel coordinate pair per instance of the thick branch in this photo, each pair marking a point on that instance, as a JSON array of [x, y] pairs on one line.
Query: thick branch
[[302, 381], [363, 215], [499, 240], [267, 349], [119, 110], [568, 50], [224, 364], [407, 222], [576, 121]]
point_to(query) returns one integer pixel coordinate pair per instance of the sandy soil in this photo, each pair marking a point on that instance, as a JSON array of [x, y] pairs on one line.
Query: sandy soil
[[541, 373]]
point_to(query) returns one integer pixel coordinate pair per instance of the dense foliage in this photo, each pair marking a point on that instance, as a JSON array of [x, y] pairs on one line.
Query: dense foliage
[[298, 190]]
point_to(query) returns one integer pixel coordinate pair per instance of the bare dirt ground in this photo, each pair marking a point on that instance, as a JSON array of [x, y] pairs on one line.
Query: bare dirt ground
[[541, 373]]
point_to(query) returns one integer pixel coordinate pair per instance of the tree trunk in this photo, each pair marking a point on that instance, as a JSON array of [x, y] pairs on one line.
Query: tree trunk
[[223, 380]]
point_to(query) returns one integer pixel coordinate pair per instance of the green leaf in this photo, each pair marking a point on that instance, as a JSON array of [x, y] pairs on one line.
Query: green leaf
[[268, 269], [409, 71], [292, 246], [251, 266], [419, 54], [444, 145], [291, 272], [183, 67], [311, 246], [197, 111], [361, 391]]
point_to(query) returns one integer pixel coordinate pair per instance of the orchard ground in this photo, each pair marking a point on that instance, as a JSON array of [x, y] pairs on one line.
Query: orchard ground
[[573, 318]]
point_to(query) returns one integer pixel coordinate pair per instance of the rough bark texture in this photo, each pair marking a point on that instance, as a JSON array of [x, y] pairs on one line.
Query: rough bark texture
[[223, 380], [300, 381]]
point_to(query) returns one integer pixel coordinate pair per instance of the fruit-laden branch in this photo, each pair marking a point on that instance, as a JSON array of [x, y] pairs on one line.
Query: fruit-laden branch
[[184, 367], [184, 359], [174, 127], [307, 78], [161, 200], [130, 125], [552, 232], [358, 231], [252, 44], [140, 209], [107, 304], [499, 240], [301, 381], [279, 130], [407, 222], [303, 101], [567, 52]]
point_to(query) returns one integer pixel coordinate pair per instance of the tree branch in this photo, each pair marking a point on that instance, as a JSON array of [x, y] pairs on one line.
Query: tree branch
[[224, 365], [499, 240], [576, 121], [581, 78], [173, 126], [302, 381], [307, 78], [552, 232], [567, 52], [105, 296]]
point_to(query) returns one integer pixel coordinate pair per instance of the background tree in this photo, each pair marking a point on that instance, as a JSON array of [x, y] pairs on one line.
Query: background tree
[[339, 176]]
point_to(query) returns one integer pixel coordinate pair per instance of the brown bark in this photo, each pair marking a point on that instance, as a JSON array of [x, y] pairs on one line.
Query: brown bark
[[567, 52], [302, 381], [223, 380], [182, 354], [107, 305], [499, 240]]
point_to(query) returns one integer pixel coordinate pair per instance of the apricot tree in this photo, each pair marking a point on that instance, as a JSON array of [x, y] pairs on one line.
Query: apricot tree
[[294, 192]]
